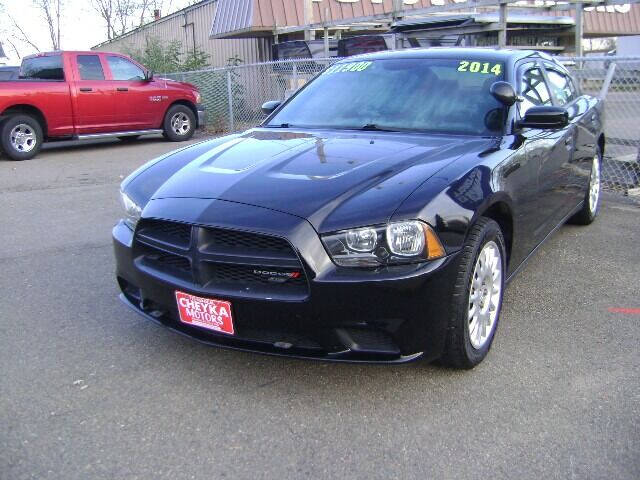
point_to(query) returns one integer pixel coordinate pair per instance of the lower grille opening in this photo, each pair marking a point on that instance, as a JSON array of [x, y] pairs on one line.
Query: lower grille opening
[[246, 274], [369, 340], [166, 262]]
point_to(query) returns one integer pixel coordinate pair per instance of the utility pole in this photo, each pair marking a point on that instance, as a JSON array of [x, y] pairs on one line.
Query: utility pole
[[502, 33], [579, 28]]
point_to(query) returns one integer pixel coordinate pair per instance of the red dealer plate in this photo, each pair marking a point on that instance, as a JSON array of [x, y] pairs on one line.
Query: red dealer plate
[[205, 312]]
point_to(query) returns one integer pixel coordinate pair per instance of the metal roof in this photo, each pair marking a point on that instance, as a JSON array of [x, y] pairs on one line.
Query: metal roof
[[250, 18], [436, 20]]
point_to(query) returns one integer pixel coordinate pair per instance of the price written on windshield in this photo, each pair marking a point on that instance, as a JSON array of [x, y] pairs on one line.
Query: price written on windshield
[[478, 67]]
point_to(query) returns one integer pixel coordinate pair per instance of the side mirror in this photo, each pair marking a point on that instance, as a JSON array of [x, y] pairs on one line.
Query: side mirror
[[545, 117], [148, 76], [504, 93], [269, 107]]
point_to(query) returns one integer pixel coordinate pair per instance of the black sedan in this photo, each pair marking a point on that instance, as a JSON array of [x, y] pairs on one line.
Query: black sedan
[[376, 215]]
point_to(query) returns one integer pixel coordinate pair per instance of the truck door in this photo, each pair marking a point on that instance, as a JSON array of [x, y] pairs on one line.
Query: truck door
[[94, 97], [141, 103]]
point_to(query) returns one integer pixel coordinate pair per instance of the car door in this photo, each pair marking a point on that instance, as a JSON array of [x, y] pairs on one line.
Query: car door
[[138, 100], [548, 150], [93, 97], [581, 131]]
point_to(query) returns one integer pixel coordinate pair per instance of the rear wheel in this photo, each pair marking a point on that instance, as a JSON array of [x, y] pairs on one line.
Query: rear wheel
[[477, 296], [21, 137], [591, 205], [179, 123]]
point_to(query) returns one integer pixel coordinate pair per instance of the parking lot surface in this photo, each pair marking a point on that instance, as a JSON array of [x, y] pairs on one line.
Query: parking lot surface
[[90, 390]]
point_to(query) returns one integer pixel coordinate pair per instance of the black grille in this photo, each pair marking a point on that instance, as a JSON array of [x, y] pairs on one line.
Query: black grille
[[165, 262], [221, 272], [172, 233], [216, 240], [221, 261]]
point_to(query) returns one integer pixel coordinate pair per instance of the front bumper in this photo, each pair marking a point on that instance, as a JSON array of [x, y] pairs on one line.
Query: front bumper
[[391, 315], [202, 115]]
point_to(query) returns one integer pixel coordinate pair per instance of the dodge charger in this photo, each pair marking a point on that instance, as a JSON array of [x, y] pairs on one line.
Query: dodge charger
[[375, 215]]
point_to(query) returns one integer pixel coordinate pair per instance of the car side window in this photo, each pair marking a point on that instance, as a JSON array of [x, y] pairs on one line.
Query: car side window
[[123, 69], [533, 90], [89, 67], [562, 87]]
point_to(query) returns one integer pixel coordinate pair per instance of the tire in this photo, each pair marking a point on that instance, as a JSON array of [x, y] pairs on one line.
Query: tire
[[21, 137], [466, 346], [591, 206], [179, 123], [131, 138]]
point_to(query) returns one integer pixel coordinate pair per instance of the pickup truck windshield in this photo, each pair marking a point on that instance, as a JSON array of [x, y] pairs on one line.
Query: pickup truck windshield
[[434, 95]]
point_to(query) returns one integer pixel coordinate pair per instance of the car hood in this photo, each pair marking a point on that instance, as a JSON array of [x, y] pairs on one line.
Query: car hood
[[333, 179]]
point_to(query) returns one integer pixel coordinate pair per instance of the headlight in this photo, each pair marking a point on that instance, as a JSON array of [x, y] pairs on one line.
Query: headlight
[[398, 242], [132, 211]]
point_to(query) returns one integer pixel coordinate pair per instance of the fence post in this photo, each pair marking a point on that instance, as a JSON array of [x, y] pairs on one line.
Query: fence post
[[607, 81], [295, 76], [230, 96]]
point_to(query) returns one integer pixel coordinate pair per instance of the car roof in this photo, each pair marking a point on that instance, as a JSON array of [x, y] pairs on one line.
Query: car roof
[[478, 53]]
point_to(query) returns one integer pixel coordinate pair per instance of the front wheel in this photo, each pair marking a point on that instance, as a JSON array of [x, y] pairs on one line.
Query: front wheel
[[591, 204], [477, 296], [21, 137], [179, 123]]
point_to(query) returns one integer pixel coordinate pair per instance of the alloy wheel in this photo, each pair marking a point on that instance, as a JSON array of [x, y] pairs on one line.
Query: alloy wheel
[[180, 123], [594, 184], [485, 294], [23, 138]]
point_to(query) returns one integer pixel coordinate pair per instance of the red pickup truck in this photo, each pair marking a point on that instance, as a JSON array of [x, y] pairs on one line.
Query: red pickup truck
[[87, 95]]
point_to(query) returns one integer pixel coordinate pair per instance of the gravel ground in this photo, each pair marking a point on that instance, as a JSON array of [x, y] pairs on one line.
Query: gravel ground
[[90, 390]]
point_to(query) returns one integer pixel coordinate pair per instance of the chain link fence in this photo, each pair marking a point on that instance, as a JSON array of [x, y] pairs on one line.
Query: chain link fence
[[233, 97], [617, 80]]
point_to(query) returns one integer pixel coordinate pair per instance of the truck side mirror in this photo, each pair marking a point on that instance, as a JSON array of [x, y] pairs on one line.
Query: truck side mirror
[[148, 76]]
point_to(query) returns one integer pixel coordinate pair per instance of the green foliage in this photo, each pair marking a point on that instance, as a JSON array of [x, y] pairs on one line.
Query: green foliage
[[163, 57]]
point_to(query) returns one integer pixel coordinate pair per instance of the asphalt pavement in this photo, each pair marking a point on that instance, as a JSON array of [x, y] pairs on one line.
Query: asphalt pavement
[[90, 390]]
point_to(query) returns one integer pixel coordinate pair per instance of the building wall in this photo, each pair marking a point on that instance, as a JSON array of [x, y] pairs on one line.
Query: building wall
[[628, 46], [172, 27]]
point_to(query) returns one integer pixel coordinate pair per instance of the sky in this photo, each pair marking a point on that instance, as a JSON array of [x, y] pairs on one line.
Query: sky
[[81, 26]]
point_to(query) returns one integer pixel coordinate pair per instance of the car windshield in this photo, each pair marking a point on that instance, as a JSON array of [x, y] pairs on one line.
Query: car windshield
[[434, 95]]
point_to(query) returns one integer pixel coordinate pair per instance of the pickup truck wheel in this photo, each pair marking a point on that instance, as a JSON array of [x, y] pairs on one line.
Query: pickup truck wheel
[[21, 137], [179, 123], [477, 296]]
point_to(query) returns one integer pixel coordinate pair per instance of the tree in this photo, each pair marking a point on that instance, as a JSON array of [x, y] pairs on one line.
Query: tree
[[105, 9], [167, 57], [51, 10]]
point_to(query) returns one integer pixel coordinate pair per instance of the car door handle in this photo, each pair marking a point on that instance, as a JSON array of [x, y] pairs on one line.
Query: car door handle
[[86, 89], [123, 89]]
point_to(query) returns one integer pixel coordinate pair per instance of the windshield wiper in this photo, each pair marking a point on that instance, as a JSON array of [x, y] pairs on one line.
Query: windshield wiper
[[374, 128]]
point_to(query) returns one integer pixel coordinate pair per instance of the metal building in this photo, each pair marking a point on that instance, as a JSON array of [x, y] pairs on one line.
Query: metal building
[[191, 26]]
